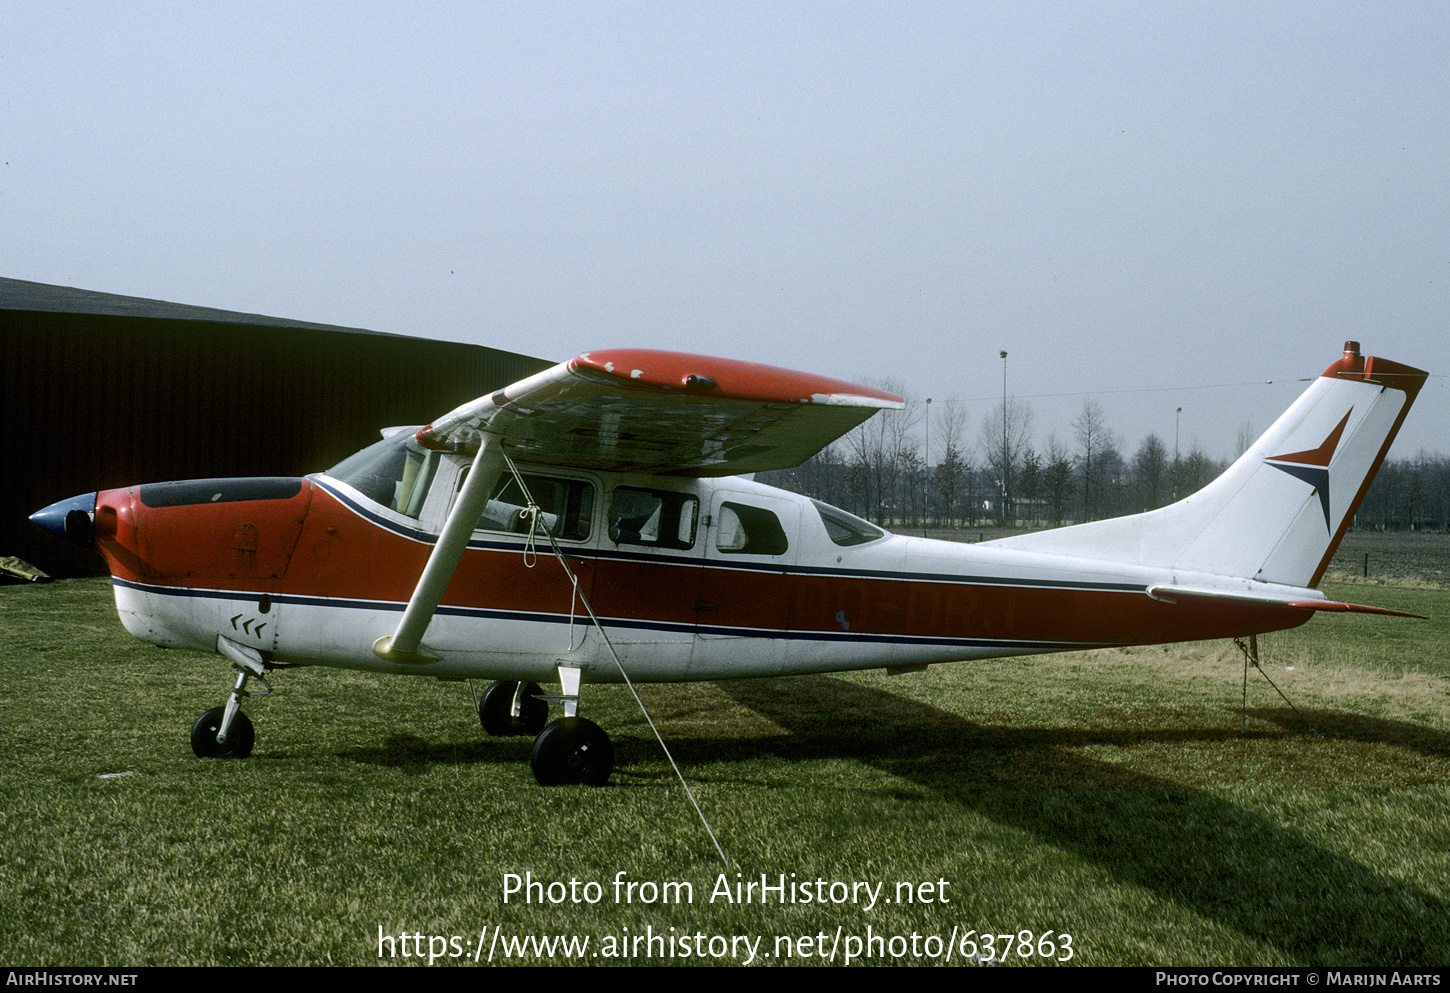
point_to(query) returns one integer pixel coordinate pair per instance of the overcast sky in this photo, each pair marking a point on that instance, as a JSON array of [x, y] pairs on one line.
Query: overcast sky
[[1157, 205]]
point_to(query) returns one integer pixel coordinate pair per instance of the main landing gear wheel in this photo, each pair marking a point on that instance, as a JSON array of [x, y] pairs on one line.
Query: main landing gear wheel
[[572, 751], [239, 740], [495, 710]]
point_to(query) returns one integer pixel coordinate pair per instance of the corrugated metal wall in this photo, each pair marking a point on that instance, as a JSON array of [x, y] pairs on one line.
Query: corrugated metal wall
[[96, 401]]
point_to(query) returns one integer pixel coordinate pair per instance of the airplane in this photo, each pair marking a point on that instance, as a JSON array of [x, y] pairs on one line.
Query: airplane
[[427, 553]]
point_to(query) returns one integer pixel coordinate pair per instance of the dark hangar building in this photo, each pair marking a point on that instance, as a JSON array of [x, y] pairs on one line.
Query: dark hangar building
[[100, 391]]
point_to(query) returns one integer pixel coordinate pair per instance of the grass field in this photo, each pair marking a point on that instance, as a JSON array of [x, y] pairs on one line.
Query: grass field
[[1109, 796]]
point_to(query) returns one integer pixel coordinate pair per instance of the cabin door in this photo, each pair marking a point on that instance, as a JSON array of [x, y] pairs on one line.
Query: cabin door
[[746, 587]]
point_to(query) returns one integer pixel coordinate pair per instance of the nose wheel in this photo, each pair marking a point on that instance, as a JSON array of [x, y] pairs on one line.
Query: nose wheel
[[240, 736], [226, 732]]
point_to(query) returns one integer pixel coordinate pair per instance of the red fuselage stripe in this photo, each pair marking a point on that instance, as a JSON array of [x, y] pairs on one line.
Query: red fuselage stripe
[[315, 546]]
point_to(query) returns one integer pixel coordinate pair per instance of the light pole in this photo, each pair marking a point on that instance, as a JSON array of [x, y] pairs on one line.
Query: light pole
[[1176, 470], [926, 446], [1006, 462], [926, 464]]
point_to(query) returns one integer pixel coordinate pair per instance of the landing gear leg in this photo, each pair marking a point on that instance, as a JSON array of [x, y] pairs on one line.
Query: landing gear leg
[[226, 732], [572, 750]]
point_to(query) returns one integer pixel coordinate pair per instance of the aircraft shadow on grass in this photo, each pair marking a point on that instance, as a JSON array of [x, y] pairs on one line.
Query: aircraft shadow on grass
[[1338, 724], [1188, 845], [415, 755]]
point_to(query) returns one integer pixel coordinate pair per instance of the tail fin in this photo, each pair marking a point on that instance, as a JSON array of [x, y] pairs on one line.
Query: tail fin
[[1278, 513]]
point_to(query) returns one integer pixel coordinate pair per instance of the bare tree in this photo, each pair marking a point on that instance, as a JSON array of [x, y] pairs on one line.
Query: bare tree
[[1115, 481], [1057, 480], [1150, 473], [1026, 501], [952, 466], [1193, 471], [998, 460], [1245, 438], [1093, 437], [877, 452]]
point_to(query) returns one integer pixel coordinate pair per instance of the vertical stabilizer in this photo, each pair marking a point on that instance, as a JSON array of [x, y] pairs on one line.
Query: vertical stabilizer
[[1278, 513]]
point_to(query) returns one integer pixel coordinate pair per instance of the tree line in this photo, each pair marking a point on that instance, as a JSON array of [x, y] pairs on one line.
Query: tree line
[[899, 471]]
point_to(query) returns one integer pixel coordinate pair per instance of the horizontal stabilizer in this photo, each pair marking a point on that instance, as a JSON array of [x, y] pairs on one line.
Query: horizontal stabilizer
[[1298, 599]]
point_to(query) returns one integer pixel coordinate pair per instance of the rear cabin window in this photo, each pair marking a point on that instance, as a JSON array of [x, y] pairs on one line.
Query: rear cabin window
[[660, 518], [746, 530], [846, 529]]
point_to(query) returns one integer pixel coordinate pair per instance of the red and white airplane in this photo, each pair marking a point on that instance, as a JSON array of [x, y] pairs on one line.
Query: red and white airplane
[[429, 553]]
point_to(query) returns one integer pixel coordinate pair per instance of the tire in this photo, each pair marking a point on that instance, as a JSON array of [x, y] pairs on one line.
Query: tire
[[239, 741], [572, 751], [498, 699]]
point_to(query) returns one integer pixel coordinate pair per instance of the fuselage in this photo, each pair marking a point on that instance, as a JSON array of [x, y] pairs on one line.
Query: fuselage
[[691, 578]]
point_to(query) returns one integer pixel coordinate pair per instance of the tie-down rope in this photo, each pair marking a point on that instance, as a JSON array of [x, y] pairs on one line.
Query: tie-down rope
[[536, 522]]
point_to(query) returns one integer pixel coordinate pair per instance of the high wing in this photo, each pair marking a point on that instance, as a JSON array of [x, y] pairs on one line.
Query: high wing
[[631, 410], [636, 410]]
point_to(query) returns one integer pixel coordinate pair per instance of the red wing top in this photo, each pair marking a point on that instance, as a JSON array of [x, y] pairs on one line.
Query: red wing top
[[637, 410]]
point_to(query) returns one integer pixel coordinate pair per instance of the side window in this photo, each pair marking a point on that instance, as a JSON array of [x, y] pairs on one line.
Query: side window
[[567, 506], [747, 530], [662, 518]]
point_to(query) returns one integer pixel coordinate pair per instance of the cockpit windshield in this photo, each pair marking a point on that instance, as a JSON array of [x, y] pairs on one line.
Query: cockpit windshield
[[395, 472]]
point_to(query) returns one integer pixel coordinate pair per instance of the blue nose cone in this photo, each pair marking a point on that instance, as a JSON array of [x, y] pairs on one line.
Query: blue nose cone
[[69, 519]]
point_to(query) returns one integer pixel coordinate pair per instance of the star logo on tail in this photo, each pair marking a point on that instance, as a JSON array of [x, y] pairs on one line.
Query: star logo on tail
[[1312, 466]]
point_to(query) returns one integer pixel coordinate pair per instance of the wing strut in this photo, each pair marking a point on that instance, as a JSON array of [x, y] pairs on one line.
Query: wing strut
[[406, 643]]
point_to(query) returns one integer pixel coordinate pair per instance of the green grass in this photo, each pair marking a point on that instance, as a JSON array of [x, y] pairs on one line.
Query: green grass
[[1108, 795]]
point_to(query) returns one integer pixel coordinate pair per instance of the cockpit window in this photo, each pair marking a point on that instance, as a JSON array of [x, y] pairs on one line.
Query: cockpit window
[[846, 529], [396, 472], [567, 506]]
